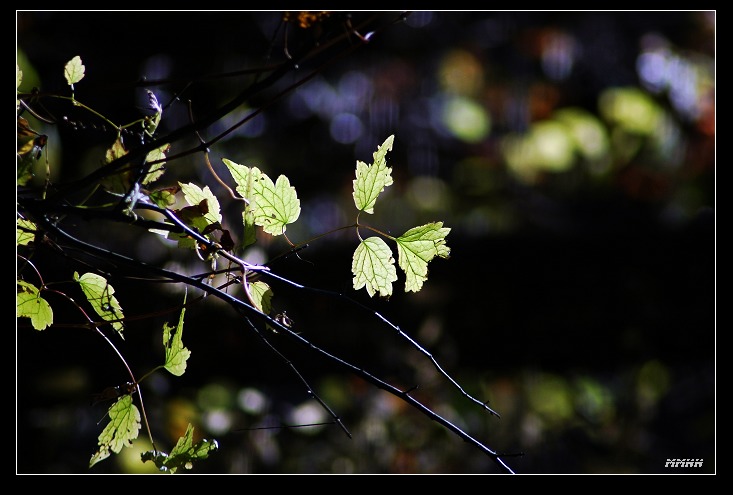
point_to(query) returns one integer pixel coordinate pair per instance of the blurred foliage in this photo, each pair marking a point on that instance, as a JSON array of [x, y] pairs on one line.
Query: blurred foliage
[[572, 154]]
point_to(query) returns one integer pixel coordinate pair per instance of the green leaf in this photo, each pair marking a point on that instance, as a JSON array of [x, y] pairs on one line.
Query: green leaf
[[74, 71], [372, 179], [250, 233], [194, 195], [244, 177], [25, 232], [416, 247], [122, 429], [157, 169], [31, 305], [275, 205], [373, 267], [262, 296], [165, 198], [183, 455], [150, 123], [100, 295], [120, 182], [175, 354]]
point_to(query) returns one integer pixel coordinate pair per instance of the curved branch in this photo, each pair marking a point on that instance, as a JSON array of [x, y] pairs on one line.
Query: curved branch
[[247, 308], [138, 154]]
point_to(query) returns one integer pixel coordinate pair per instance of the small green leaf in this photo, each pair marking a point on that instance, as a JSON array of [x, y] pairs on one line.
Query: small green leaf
[[31, 305], [416, 247], [372, 179], [262, 296], [150, 123], [175, 354], [100, 295], [183, 455], [373, 267], [74, 71], [122, 429], [165, 198], [157, 169], [25, 232], [250, 233], [244, 177], [120, 182], [194, 195]]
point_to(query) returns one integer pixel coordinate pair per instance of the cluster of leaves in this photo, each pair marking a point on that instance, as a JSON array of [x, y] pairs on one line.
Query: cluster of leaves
[[198, 225]]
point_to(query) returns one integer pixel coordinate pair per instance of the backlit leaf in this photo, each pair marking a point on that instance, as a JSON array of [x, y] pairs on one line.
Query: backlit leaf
[[120, 182], [271, 205], [184, 454], [74, 71], [150, 123], [373, 267], [244, 176], [164, 197], [175, 354], [157, 169], [100, 295], [122, 429], [372, 179], [30, 304], [194, 195], [25, 232], [416, 247], [275, 205], [262, 296]]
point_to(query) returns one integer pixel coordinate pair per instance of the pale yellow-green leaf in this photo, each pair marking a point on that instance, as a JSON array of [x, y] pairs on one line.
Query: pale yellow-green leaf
[[25, 232], [184, 454], [372, 179], [373, 267], [165, 198], [100, 295], [176, 355], [151, 122], [74, 71], [194, 195], [157, 169], [262, 296], [275, 205], [120, 182], [30, 304], [117, 150], [122, 429], [244, 177], [249, 236], [415, 249]]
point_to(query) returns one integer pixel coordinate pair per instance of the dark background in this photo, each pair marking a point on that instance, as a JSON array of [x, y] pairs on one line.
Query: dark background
[[579, 298]]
